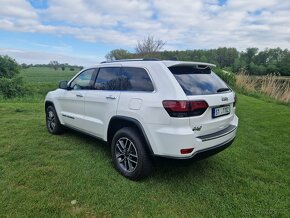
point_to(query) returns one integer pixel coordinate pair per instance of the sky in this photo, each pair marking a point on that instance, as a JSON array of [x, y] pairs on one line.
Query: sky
[[82, 32]]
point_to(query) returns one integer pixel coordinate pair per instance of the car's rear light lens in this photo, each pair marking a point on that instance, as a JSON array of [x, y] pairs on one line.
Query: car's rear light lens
[[184, 108], [186, 150], [236, 99], [197, 108]]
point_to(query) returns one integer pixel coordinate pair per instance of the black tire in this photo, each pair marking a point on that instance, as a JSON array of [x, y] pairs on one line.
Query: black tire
[[133, 151], [52, 122]]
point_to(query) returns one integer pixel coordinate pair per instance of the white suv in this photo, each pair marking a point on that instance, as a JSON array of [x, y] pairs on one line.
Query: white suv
[[145, 108]]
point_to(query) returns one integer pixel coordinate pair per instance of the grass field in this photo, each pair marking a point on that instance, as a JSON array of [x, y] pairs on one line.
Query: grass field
[[43, 79], [40, 174], [46, 74]]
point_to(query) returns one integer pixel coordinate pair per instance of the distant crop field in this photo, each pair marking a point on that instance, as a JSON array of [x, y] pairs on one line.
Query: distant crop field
[[47, 74], [285, 77]]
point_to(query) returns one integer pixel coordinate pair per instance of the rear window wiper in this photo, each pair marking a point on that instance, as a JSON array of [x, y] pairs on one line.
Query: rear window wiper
[[223, 90]]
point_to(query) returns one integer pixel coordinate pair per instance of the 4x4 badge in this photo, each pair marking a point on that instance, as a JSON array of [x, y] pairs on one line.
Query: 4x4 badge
[[197, 128]]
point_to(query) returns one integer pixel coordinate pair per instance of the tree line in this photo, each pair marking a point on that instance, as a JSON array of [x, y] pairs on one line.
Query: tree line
[[54, 65], [252, 61]]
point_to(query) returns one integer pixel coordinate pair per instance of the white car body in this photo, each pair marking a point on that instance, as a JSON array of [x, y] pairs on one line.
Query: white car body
[[91, 111]]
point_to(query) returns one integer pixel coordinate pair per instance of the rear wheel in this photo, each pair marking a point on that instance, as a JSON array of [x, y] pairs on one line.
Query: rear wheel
[[52, 122], [129, 156]]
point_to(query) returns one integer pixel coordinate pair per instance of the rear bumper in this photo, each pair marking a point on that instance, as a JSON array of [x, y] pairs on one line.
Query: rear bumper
[[170, 141], [204, 153], [201, 154]]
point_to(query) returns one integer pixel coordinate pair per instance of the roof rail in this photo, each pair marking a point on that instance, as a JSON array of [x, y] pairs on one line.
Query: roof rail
[[137, 59]]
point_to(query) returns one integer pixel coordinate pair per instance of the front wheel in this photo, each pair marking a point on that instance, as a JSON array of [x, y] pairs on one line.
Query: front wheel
[[52, 122], [129, 156]]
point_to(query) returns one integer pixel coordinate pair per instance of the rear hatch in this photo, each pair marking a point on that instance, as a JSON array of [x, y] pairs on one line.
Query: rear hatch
[[201, 84]]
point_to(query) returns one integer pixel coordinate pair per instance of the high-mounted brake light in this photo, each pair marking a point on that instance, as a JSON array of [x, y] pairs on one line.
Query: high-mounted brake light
[[184, 108]]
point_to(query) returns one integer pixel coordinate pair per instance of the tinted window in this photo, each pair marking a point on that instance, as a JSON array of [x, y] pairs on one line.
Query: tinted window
[[108, 79], [136, 79], [195, 81], [83, 81]]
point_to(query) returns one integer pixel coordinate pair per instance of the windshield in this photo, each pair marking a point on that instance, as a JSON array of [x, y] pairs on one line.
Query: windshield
[[198, 81]]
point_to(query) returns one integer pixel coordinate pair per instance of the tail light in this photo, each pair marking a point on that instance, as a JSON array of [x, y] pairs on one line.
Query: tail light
[[184, 108], [235, 101]]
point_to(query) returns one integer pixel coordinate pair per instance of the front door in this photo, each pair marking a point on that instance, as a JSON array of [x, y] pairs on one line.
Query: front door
[[72, 102]]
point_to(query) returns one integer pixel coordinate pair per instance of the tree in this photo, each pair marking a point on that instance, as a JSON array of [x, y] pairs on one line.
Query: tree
[[274, 60], [11, 84], [250, 54], [284, 65], [118, 54], [203, 59], [54, 64], [8, 67], [149, 45], [24, 66]]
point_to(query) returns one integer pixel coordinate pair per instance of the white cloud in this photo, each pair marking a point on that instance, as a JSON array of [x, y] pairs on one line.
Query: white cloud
[[17, 9], [36, 57], [77, 12], [184, 24]]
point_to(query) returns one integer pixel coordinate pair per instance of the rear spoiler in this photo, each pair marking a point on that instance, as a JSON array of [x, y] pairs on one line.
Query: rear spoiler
[[200, 65]]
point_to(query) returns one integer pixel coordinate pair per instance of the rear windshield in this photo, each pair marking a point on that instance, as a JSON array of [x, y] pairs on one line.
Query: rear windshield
[[196, 80]]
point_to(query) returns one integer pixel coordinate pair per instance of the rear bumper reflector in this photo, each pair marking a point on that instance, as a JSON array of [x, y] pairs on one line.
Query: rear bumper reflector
[[186, 150]]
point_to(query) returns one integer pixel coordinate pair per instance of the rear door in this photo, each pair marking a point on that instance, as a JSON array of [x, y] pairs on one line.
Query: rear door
[[102, 101], [202, 84]]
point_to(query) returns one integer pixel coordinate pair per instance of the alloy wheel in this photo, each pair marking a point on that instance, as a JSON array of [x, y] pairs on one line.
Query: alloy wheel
[[51, 120], [126, 154]]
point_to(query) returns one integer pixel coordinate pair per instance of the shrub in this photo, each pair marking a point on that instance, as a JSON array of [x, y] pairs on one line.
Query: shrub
[[8, 67], [226, 75], [72, 69], [12, 87]]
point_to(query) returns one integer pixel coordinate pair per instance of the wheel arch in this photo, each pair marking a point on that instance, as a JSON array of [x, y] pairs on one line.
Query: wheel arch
[[47, 104], [118, 122], [50, 103]]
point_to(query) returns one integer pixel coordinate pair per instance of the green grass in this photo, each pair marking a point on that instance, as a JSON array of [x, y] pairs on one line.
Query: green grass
[[46, 74], [40, 174]]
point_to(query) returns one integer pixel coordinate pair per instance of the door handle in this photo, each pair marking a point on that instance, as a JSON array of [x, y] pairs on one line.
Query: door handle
[[79, 95], [110, 97]]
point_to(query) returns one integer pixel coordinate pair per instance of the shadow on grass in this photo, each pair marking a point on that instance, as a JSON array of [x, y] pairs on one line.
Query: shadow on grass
[[164, 169], [172, 169], [95, 143]]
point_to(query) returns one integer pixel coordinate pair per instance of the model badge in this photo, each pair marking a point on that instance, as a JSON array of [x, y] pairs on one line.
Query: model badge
[[225, 99], [197, 128]]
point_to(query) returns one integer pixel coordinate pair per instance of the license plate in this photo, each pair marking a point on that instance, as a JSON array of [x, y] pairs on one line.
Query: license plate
[[221, 111]]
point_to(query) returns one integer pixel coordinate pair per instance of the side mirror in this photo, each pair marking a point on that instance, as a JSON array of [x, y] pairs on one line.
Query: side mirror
[[63, 85]]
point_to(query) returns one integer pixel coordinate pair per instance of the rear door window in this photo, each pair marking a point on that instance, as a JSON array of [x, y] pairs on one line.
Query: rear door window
[[136, 79], [196, 80], [108, 79]]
